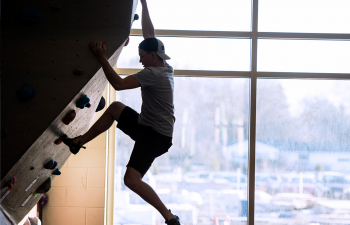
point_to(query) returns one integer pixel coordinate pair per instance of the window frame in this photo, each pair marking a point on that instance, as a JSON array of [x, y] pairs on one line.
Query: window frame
[[253, 76]]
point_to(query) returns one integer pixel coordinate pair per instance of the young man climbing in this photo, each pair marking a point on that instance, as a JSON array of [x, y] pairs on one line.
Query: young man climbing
[[152, 129]]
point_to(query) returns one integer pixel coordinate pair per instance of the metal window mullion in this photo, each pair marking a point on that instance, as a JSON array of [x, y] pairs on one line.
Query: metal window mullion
[[300, 75], [247, 74], [194, 73], [196, 33], [245, 34], [252, 115], [305, 36], [110, 163]]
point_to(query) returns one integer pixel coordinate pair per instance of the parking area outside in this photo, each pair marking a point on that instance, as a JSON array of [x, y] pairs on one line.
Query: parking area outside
[[299, 179]]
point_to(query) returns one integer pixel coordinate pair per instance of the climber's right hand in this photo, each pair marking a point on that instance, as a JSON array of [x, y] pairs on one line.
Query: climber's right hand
[[99, 48]]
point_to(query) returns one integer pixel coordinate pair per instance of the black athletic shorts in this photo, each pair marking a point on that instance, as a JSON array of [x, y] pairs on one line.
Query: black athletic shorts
[[149, 144]]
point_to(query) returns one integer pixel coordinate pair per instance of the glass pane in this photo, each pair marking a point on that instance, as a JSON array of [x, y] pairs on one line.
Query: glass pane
[[304, 16], [207, 15], [200, 179], [195, 53], [302, 152], [304, 56]]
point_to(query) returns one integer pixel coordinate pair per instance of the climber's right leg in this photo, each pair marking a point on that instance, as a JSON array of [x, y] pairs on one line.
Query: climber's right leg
[[112, 114]]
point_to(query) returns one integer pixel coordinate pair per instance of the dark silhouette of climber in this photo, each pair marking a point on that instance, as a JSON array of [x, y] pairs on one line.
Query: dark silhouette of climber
[[152, 129]]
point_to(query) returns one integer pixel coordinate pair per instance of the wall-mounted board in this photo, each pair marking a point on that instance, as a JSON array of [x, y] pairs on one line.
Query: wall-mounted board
[[44, 54]]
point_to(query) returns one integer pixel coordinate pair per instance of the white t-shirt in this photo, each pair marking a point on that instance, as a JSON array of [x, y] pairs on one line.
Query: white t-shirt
[[157, 87]]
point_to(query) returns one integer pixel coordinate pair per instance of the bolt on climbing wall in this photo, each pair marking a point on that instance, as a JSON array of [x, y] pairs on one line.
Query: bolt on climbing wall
[[51, 84]]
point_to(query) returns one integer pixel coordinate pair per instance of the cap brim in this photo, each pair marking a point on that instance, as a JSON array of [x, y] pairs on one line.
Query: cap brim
[[163, 56]]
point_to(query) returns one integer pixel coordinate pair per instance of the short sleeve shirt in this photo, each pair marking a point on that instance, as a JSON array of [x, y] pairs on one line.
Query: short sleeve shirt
[[157, 88]]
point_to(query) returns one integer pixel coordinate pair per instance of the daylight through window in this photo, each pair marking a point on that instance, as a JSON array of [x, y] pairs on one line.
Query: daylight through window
[[262, 113]]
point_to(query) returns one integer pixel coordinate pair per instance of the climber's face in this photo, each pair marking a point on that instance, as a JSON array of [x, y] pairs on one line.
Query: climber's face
[[146, 58]]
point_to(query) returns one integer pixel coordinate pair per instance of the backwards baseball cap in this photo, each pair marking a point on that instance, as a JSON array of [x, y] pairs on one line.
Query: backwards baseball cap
[[154, 45]]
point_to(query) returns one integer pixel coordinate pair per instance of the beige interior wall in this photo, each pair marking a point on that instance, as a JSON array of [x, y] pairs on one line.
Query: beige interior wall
[[77, 196]]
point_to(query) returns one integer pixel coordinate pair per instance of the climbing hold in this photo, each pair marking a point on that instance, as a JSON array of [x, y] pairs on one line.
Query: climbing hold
[[55, 5], [50, 165], [83, 102], [26, 92], [43, 200], [10, 183], [69, 117], [127, 41], [136, 17], [29, 15], [45, 187], [32, 168], [56, 172], [101, 104], [58, 141], [4, 132], [90, 44], [54, 165], [78, 72]]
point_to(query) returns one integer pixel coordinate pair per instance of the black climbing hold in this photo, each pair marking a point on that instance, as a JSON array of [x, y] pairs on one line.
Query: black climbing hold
[[83, 102], [29, 15], [43, 200], [55, 5], [50, 165], [26, 92], [45, 187], [101, 104], [78, 72], [56, 172], [54, 165], [136, 17]]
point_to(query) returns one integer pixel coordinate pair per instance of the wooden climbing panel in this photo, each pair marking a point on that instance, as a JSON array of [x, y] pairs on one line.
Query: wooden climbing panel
[[50, 54]]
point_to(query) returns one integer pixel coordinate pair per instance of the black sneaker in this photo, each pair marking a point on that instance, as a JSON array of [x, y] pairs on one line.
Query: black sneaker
[[73, 147], [173, 221]]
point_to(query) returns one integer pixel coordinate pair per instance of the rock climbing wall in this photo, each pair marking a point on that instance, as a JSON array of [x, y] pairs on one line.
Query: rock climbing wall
[[47, 67]]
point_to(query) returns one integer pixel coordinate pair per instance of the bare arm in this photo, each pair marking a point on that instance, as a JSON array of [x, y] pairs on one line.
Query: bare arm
[[114, 79], [146, 23]]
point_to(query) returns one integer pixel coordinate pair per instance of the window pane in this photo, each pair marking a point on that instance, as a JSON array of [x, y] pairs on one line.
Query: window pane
[[199, 178], [304, 16], [302, 140], [304, 56], [195, 53], [219, 15]]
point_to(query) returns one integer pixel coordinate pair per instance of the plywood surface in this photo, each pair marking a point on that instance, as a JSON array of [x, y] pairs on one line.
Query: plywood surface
[[44, 55]]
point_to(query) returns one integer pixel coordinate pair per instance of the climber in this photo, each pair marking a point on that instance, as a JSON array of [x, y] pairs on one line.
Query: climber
[[152, 129]]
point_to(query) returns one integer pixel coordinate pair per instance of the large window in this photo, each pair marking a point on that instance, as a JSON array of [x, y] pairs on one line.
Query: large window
[[304, 16], [204, 174], [196, 53], [302, 171], [322, 56], [221, 15], [262, 113]]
